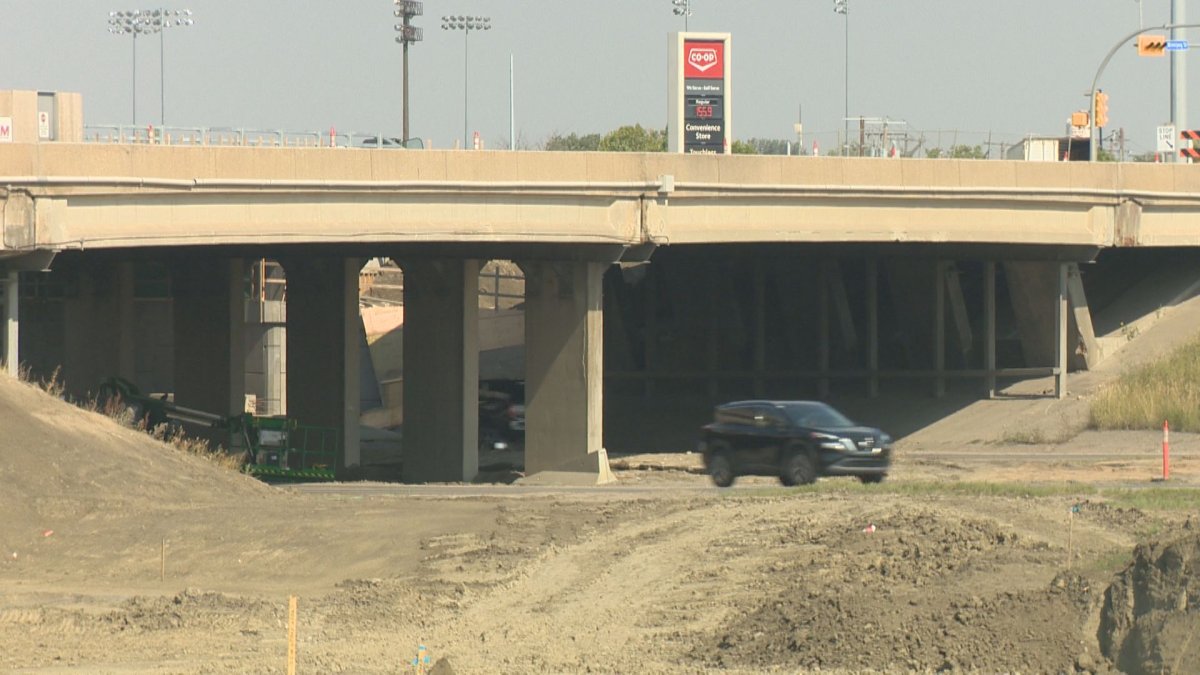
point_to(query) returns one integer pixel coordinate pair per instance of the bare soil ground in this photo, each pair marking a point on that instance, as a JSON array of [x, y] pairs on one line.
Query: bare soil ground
[[122, 556]]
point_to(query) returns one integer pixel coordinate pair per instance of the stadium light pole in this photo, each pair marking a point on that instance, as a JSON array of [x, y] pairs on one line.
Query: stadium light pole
[[134, 23], [843, 7], [408, 34], [683, 8], [160, 20], [466, 24]]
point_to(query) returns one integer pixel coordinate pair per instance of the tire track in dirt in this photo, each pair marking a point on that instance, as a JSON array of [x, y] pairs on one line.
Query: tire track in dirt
[[628, 596], [597, 597]]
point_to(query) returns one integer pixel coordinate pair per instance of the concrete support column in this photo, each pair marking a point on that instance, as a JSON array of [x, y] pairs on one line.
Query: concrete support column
[[323, 351], [441, 369], [208, 320], [99, 327], [1087, 352], [1040, 295], [12, 359], [650, 336], [127, 322], [564, 371], [939, 332], [712, 350], [873, 327], [1060, 334], [760, 329], [989, 326], [823, 335]]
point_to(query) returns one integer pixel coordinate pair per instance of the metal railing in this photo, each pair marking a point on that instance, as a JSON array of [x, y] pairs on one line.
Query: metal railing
[[242, 137]]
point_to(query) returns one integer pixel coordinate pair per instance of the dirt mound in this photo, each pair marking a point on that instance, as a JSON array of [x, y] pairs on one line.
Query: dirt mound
[[913, 590], [59, 463], [1151, 617]]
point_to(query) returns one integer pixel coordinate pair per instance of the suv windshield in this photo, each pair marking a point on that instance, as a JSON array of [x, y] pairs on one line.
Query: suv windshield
[[816, 415]]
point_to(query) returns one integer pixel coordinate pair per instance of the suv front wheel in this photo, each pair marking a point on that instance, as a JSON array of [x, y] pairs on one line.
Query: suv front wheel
[[797, 469], [720, 467]]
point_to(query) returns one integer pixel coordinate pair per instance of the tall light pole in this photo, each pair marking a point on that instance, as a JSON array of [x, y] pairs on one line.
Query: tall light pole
[[134, 23], [160, 20], [466, 24], [683, 8], [843, 7], [408, 34], [1178, 71]]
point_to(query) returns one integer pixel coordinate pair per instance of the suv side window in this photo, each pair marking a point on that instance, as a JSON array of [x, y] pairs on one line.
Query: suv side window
[[771, 417], [736, 415]]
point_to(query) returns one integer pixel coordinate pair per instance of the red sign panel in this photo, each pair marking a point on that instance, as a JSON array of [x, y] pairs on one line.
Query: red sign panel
[[704, 60]]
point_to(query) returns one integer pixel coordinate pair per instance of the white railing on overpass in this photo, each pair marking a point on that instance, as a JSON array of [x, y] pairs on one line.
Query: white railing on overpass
[[231, 136]]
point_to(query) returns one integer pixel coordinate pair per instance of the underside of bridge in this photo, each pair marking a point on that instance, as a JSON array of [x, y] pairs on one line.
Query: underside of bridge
[[181, 322], [611, 350]]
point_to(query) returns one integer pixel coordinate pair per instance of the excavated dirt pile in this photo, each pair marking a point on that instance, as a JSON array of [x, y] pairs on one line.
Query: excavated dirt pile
[[914, 590], [1151, 617]]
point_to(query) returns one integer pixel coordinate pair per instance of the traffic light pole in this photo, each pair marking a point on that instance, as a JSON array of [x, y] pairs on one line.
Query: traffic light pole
[[1104, 64]]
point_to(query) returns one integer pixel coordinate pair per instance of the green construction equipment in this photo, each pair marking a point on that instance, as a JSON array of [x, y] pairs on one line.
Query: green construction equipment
[[274, 448]]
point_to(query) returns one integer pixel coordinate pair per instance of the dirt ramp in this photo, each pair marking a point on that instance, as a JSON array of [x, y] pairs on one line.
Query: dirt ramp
[[59, 463], [1151, 617]]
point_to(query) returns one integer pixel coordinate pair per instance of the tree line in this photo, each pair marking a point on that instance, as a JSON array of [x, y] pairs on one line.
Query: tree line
[[636, 138]]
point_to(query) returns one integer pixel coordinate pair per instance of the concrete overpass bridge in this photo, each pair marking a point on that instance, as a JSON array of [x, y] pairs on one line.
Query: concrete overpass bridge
[[768, 275]]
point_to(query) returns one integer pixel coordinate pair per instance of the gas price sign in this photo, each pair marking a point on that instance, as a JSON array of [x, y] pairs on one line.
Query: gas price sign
[[699, 103]]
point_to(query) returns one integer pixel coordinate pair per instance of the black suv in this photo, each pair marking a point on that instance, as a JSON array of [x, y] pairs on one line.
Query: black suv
[[501, 413], [798, 441]]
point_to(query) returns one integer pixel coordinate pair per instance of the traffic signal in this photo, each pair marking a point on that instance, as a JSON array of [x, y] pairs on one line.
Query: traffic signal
[[1100, 115], [1152, 45]]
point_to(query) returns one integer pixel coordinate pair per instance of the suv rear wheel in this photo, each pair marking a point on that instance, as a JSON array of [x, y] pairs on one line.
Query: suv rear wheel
[[797, 469], [872, 478], [720, 467]]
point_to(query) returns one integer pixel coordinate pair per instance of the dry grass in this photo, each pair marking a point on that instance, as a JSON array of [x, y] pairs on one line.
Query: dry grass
[[1143, 398], [175, 437], [52, 385], [115, 409]]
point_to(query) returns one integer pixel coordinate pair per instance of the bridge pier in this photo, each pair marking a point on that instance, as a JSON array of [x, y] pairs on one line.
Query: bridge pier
[[97, 329], [441, 370], [323, 351], [564, 371], [1040, 304], [12, 359], [209, 321]]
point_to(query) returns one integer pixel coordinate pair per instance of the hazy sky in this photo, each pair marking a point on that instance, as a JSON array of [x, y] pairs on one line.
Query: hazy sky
[[1008, 67]]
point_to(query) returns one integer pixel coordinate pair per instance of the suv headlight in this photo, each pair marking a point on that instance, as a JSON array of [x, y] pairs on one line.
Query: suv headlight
[[829, 441]]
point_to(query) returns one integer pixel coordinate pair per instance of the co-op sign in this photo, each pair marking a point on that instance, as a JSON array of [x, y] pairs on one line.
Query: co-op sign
[[699, 96]]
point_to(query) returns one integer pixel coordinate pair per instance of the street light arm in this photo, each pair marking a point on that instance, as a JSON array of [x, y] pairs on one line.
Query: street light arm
[[1104, 64]]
